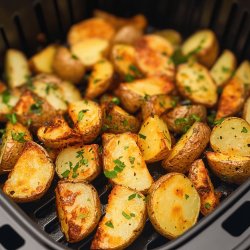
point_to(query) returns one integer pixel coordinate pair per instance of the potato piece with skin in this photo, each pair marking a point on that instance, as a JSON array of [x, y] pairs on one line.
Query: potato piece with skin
[[195, 83], [16, 68], [79, 163], [243, 73], [246, 110], [109, 99], [90, 28], [154, 139], [100, 79], [31, 176], [223, 68], [90, 51], [58, 134], [182, 117], [231, 137], [67, 66], [173, 205], [42, 61], [232, 98], [124, 219], [173, 36], [116, 120], [187, 149], [152, 56], [229, 168], [123, 162], [199, 176], [12, 145], [205, 44], [87, 118], [70, 92], [79, 209], [132, 94]]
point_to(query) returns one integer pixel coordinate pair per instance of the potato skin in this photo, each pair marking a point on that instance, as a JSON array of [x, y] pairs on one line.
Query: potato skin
[[199, 176], [229, 168], [188, 148]]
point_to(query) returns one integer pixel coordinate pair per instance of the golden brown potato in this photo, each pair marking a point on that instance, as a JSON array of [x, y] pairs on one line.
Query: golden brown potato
[[188, 148], [87, 118], [199, 176], [12, 145], [152, 56], [223, 68], [133, 94], [181, 118], [195, 83], [108, 98], [116, 120], [100, 79], [173, 36], [203, 45], [79, 163], [154, 139], [243, 73], [79, 209], [232, 98], [16, 68], [246, 110], [90, 28], [70, 92], [58, 134], [123, 162], [231, 137], [31, 176], [43, 60], [124, 219], [67, 66], [173, 205], [229, 168]]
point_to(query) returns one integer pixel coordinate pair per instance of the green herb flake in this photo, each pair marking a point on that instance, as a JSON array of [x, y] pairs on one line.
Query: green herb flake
[[244, 130], [142, 136], [207, 206], [125, 215], [81, 114], [96, 81], [195, 117], [2, 132], [19, 137], [132, 196], [131, 159], [49, 87], [125, 122], [36, 108], [109, 224], [180, 121], [129, 78], [12, 118], [6, 97], [115, 100], [126, 147], [225, 69], [186, 196], [135, 70], [218, 122], [188, 89], [82, 216], [73, 56], [146, 97], [110, 174], [65, 174]]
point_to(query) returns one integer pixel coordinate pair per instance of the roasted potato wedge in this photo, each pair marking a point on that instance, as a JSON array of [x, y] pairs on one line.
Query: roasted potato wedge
[[173, 36], [152, 56], [42, 61], [154, 139], [124, 219], [195, 83], [58, 134], [231, 137], [100, 79], [188, 148], [133, 94], [90, 28], [78, 208], [31, 176], [123, 162], [181, 118], [232, 98], [173, 205], [90, 51], [70, 92], [204, 45], [246, 110], [16, 68], [67, 66], [87, 118], [199, 176], [229, 168], [223, 68], [243, 72], [79, 163], [12, 145]]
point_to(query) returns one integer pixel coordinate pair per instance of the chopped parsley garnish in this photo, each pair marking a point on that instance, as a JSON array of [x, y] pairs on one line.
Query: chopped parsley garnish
[[131, 159], [146, 97], [129, 78], [125, 122], [119, 166], [49, 87], [126, 147], [180, 121], [225, 69], [36, 108], [19, 137], [74, 57], [135, 70], [128, 216], [142, 136], [110, 174], [65, 174], [12, 118], [115, 100], [6, 97], [207, 205], [218, 122], [186, 196], [195, 117], [188, 89], [96, 81], [132, 196], [244, 130], [81, 114], [109, 224], [2, 132], [82, 216]]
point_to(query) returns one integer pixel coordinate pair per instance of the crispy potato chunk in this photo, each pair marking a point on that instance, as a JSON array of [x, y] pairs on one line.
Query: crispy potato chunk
[[188, 148], [173, 205], [243, 73], [246, 111], [12, 145], [31, 176], [195, 83], [70, 92], [87, 118], [199, 176], [124, 219], [123, 162], [100, 79], [79, 163], [231, 137], [154, 139], [79, 209], [173, 36]]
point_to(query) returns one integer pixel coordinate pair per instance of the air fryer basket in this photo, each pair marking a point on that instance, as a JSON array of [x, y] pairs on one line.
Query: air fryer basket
[[22, 24]]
